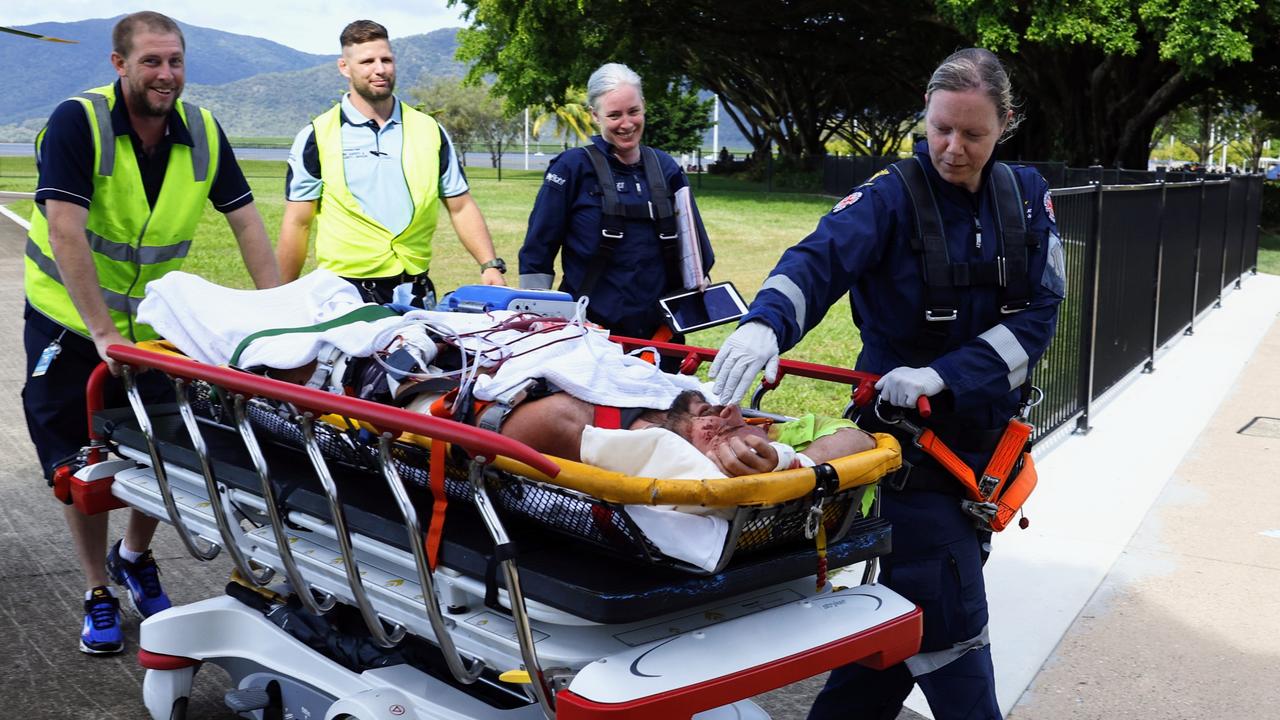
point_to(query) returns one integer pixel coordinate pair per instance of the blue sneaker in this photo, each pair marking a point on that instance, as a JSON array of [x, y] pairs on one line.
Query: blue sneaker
[[141, 578], [101, 634]]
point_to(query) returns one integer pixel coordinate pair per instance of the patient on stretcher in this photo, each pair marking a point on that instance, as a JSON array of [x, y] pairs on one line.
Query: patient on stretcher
[[314, 332]]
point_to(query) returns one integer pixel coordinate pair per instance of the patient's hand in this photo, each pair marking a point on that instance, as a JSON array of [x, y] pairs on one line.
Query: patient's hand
[[742, 454]]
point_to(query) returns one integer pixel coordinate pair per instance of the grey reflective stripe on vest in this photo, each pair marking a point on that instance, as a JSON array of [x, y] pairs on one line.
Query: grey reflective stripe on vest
[[925, 663], [1005, 343], [792, 292], [106, 133], [537, 281], [114, 300], [199, 142], [146, 255]]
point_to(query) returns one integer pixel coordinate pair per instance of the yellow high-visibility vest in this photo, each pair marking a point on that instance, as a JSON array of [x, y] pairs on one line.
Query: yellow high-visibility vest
[[132, 243], [349, 242]]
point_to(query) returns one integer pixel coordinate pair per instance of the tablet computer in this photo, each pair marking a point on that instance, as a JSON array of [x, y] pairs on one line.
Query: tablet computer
[[718, 304]]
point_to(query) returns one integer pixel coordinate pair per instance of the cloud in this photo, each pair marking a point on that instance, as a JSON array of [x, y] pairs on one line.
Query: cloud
[[312, 26]]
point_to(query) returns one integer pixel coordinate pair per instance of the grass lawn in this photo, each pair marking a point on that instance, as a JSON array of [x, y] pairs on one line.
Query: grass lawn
[[749, 229]]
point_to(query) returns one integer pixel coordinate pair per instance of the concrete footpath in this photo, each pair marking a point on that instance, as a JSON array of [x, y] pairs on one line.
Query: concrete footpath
[[1148, 585]]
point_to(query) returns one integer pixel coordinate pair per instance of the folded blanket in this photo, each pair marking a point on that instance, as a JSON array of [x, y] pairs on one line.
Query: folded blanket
[[207, 321]]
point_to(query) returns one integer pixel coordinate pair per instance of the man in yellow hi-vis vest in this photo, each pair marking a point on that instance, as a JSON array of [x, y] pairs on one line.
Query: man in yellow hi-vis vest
[[125, 171], [373, 172]]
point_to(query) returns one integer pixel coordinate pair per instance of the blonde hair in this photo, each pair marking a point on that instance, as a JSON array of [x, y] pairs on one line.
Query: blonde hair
[[978, 69]]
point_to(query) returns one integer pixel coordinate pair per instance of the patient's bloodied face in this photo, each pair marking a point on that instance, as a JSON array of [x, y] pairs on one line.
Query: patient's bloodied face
[[708, 426]]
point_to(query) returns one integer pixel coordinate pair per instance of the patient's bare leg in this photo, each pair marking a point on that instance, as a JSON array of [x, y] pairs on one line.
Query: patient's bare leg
[[551, 425]]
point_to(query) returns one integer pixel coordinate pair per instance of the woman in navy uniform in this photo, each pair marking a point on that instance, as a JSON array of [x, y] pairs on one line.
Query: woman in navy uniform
[[960, 314], [608, 208]]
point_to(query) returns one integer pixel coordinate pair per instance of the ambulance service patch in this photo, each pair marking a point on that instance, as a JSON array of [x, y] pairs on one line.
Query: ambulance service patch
[[848, 200], [1048, 207]]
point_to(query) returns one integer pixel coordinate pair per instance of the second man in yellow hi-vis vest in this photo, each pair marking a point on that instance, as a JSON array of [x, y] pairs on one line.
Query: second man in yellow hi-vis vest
[[373, 172]]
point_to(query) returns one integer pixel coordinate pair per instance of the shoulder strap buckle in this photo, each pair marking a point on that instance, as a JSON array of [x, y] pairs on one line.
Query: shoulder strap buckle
[[940, 314], [1014, 307]]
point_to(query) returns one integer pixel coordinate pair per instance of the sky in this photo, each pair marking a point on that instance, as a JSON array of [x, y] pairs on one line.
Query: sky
[[308, 25]]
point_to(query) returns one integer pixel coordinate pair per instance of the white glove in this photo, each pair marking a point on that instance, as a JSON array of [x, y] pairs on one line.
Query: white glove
[[751, 348], [903, 386]]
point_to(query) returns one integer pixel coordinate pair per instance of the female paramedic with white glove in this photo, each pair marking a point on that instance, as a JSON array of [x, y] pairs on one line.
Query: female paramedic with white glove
[[956, 296]]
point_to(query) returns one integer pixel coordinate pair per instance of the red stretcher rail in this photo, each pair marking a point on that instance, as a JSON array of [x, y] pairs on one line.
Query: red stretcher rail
[[384, 417], [863, 382]]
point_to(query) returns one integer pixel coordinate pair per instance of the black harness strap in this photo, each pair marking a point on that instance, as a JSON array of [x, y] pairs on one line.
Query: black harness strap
[[614, 214], [1008, 271]]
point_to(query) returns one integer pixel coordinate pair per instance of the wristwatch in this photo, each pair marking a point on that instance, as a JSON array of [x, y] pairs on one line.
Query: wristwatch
[[495, 263]]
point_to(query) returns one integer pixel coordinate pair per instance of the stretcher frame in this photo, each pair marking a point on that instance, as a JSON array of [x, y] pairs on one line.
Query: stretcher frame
[[486, 450]]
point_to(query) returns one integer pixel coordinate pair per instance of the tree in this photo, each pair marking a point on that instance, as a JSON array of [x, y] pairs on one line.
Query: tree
[[789, 74], [675, 120], [571, 117], [471, 114], [1099, 75]]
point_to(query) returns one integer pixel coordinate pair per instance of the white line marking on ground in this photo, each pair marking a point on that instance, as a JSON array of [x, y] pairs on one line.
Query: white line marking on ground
[[14, 217]]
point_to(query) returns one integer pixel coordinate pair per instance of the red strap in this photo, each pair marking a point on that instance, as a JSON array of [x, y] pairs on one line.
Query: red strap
[[608, 418], [439, 451]]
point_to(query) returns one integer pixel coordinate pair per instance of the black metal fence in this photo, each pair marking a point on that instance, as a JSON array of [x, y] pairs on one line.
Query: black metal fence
[[1144, 260], [1147, 253]]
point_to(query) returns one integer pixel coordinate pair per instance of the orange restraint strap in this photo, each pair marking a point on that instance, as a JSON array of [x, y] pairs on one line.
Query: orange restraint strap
[[1012, 443], [1015, 495], [938, 450], [440, 501]]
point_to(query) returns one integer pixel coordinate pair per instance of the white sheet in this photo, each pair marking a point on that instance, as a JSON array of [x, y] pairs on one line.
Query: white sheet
[[693, 534]]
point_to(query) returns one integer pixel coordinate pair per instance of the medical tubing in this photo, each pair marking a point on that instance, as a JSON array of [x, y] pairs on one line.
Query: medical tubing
[[162, 477], [387, 418]]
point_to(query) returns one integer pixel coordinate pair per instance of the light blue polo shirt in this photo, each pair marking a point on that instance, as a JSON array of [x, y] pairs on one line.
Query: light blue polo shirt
[[371, 162]]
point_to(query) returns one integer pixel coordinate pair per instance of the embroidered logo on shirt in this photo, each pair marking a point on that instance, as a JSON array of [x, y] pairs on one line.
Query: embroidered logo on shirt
[[554, 178], [848, 200], [1048, 207]]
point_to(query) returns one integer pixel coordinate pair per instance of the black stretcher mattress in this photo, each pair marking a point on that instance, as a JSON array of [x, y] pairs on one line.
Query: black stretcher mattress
[[557, 570]]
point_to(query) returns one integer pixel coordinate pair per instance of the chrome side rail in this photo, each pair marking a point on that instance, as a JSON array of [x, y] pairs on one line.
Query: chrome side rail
[[228, 528], [457, 664], [300, 585], [162, 478], [503, 549], [339, 517]]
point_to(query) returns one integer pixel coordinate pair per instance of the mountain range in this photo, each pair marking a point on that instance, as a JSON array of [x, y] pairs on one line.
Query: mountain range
[[255, 87]]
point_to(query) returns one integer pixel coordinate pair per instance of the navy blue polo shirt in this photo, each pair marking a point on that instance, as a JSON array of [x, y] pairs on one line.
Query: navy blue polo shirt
[[66, 163]]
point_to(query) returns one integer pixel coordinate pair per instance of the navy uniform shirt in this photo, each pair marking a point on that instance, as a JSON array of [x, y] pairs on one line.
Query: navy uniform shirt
[[862, 247], [566, 221], [66, 164]]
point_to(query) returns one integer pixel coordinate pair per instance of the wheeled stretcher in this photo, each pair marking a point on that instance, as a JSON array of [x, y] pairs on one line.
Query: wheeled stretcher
[[459, 593]]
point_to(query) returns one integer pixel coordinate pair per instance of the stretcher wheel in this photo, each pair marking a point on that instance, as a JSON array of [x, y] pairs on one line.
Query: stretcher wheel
[[166, 692], [179, 711]]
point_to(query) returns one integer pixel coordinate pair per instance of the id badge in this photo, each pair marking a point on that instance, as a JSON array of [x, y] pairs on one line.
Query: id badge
[[47, 356]]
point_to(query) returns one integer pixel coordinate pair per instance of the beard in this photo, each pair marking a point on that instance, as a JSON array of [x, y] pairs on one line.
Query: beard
[[140, 101], [375, 95]]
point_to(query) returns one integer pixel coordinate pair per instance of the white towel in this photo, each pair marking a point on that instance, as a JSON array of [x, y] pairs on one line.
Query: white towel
[[693, 534], [207, 321]]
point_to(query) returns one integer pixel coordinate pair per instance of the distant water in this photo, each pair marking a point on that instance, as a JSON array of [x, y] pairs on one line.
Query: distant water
[[510, 161]]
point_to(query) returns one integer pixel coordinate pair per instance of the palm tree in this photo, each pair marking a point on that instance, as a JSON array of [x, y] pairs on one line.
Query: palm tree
[[571, 118]]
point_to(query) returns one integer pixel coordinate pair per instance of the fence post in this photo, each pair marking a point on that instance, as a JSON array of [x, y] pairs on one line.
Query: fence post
[[499, 163], [1150, 367], [1226, 222], [699, 168], [769, 187], [1089, 311], [1195, 267]]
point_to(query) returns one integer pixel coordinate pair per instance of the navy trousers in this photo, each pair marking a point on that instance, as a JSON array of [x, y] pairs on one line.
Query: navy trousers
[[937, 564]]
